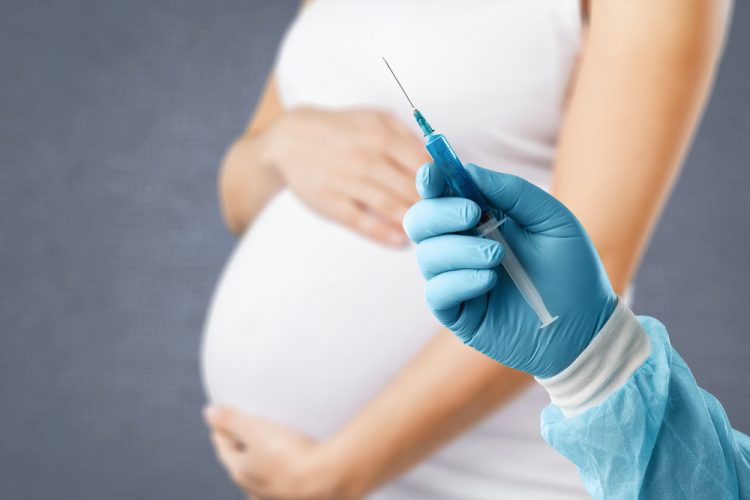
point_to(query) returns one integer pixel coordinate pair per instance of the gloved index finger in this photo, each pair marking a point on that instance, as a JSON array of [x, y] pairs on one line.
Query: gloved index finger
[[430, 181], [433, 217]]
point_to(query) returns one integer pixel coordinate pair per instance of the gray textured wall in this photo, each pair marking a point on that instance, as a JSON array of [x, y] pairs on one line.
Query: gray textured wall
[[113, 117]]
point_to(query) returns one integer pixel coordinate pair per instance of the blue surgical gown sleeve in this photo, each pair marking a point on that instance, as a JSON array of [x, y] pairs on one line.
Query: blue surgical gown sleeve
[[631, 417]]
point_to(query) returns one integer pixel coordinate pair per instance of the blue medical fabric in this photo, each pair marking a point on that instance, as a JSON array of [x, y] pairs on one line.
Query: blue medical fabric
[[659, 436]]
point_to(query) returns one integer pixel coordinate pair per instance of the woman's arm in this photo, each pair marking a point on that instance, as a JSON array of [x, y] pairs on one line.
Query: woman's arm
[[246, 181], [446, 389], [643, 80]]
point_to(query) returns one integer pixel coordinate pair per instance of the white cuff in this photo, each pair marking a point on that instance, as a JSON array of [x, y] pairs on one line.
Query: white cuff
[[616, 352]]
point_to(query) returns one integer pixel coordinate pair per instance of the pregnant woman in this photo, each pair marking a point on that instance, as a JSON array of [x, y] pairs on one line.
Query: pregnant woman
[[342, 383]]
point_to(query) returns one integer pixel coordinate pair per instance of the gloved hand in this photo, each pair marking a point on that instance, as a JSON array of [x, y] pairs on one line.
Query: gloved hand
[[474, 297]]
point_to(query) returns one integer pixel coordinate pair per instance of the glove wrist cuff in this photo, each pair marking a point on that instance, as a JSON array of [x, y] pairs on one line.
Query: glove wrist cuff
[[618, 350]]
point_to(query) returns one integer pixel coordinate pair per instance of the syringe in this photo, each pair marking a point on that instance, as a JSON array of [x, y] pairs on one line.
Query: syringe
[[462, 185]]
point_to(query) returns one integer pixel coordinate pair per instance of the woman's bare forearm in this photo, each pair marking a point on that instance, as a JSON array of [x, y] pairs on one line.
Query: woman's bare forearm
[[644, 78], [246, 182], [446, 389]]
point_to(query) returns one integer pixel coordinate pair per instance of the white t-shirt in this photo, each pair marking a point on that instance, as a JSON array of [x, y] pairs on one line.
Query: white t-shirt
[[310, 320]]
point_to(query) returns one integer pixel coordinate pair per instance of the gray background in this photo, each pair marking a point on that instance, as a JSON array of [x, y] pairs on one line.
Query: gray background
[[113, 119]]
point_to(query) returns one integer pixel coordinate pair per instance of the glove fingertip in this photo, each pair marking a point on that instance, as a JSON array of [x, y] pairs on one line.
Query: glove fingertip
[[469, 212], [447, 317], [430, 182], [484, 278], [495, 253]]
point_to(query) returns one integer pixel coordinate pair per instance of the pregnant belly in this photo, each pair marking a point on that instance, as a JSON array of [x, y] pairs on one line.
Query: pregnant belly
[[310, 320]]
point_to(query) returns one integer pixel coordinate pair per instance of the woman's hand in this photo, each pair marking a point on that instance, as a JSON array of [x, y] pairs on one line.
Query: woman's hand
[[356, 167], [269, 460]]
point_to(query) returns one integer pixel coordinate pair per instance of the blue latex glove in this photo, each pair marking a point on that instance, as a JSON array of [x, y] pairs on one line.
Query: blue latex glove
[[471, 295]]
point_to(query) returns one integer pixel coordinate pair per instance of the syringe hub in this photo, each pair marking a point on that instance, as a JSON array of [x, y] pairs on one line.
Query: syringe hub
[[422, 122]]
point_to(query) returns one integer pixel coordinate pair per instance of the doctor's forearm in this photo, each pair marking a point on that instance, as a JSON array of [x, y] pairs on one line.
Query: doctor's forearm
[[665, 437], [446, 389]]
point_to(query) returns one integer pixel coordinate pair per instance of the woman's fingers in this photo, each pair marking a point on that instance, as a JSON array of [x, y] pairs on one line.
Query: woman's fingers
[[225, 421], [357, 217], [447, 291], [386, 174], [226, 448], [231, 433], [379, 200], [452, 252], [231, 458], [404, 149], [407, 153], [434, 217], [407, 132]]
